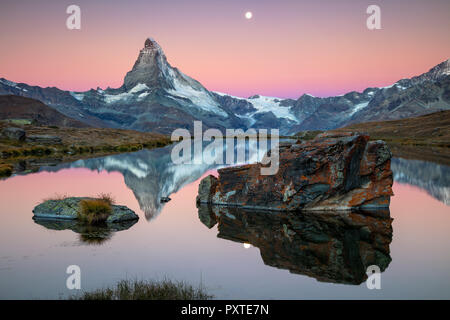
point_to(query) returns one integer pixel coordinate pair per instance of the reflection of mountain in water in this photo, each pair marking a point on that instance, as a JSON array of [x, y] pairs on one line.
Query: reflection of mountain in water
[[433, 178], [329, 246], [150, 174]]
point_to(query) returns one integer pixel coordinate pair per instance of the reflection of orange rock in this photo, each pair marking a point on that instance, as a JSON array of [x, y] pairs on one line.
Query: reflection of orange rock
[[329, 246], [329, 172]]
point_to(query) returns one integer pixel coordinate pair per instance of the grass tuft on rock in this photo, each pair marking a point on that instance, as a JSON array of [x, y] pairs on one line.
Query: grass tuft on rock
[[147, 290], [107, 197], [94, 211], [56, 197]]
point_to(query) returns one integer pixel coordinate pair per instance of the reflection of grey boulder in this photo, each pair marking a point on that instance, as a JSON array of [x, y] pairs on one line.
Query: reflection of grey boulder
[[328, 246], [206, 216], [91, 234], [14, 133], [68, 209]]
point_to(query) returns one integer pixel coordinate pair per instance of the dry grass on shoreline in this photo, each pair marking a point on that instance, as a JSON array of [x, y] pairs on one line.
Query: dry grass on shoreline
[[146, 290]]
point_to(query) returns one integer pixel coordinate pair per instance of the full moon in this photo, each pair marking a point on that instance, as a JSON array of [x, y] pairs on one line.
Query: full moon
[[248, 15]]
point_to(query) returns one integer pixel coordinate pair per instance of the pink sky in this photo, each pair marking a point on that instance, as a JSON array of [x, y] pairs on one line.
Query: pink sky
[[287, 49]]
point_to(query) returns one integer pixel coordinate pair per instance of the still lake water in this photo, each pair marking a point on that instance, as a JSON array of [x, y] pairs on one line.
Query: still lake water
[[170, 240]]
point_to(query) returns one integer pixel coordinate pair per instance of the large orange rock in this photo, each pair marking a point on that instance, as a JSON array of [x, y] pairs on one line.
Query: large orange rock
[[331, 172]]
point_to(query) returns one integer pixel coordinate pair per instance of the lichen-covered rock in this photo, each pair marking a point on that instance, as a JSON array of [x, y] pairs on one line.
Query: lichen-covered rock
[[44, 139], [68, 209], [331, 172], [206, 188], [14, 133]]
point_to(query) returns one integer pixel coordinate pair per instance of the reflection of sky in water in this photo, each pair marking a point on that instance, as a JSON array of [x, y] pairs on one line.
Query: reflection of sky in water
[[176, 244]]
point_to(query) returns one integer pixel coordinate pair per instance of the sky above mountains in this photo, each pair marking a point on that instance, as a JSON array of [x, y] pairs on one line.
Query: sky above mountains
[[288, 47]]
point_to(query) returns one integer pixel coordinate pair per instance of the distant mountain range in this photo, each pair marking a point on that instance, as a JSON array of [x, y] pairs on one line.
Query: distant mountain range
[[15, 107], [158, 97]]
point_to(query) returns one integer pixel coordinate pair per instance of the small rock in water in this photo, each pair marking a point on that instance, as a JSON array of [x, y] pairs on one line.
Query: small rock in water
[[165, 199], [68, 209]]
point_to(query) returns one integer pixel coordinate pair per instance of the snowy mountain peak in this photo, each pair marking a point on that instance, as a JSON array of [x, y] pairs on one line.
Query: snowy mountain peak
[[444, 67], [150, 67], [153, 70], [437, 72], [150, 43]]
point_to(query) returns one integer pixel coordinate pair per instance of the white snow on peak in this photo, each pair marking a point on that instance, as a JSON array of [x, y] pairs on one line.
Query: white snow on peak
[[358, 107], [272, 104], [229, 95], [9, 83], [394, 85], [143, 95], [189, 90], [78, 96], [138, 88], [267, 104], [126, 96]]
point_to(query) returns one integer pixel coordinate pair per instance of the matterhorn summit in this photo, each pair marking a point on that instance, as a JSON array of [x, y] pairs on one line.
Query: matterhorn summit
[[152, 70], [150, 67]]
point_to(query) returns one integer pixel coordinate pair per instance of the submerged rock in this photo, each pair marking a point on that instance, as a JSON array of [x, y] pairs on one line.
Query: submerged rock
[[68, 209], [331, 172], [329, 246], [165, 199]]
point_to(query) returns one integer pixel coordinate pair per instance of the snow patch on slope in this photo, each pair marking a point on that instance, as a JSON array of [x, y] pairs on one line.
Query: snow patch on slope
[[9, 83], [198, 97], [271, 104], [78, 96], [359, 107], [266, 104], [126, 96]]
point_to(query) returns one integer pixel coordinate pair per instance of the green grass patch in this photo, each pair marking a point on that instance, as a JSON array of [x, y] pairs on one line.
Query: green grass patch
[[147, 290], [19, 121]]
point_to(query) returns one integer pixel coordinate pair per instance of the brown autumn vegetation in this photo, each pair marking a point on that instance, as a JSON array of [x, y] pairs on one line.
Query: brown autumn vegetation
[[77, 143], [423, 138]]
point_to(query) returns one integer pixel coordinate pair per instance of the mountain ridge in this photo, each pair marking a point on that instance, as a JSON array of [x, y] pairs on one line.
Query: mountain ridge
[[158, 97]]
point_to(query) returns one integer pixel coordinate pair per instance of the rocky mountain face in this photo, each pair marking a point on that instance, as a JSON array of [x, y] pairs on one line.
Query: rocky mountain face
[[158, 97]]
